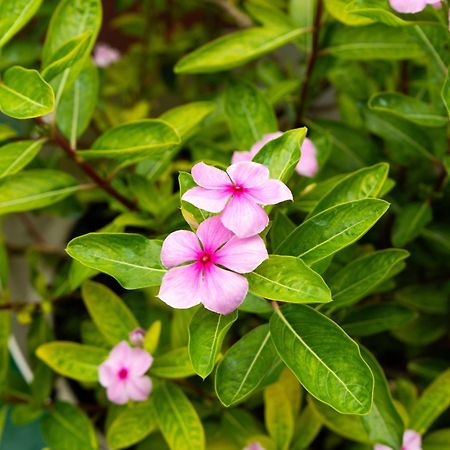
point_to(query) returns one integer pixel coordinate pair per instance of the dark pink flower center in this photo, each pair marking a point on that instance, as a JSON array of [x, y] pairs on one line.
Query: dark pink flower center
[[123, 373], [205, 258], [237, 189]]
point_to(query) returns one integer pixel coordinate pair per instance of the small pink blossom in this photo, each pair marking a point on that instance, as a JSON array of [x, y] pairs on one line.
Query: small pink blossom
[[105, 55], [412, 6], [122, 374], [137, 337], [254, 446], [238, 194], [411, 441], [204, 280], [256, 147]]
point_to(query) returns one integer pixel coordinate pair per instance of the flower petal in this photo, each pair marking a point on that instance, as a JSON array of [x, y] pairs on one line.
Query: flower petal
[[257, 146], [213, 234], [248, 174], [106, 374], [308, 165], [242, 156], [179, 288], [222, 291], [408, 6], [139, 388], [117, 393], [381, 447], [244, 217], [412, 440], [118, 355], [209, 177], [179, 247], [212, 200], [270, 192], [242, 255], [140, 361]]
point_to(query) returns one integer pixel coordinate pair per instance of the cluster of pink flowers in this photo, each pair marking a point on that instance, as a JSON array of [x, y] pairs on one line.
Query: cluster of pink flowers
[[411, 441], [412, 6]]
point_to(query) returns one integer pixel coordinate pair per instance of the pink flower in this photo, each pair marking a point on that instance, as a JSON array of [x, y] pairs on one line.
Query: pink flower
[[254, 446], [122, 374], [412, 6], [307, 166], [411, 441], [238, 194], [137, 337], [105, 55], [204, 280]]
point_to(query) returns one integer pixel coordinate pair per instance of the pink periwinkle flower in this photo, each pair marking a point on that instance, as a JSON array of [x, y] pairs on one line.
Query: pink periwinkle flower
[[411, 441], [254, 446], [122, 374], [412, 6], [137, 337], [238, 194], [308, 165], [105, 55], [215, 258]]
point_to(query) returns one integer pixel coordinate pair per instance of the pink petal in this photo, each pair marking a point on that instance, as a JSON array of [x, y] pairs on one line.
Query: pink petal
[[139, 361], [139, 388], [242, 255], [248, 174], [244, 217], [209, 177], [308, 165], [118, 355], [412, 440], [242, 156], [179, 247], [257, 146], [222, 291], [254, 446], [270, 192], [179, 288], [212, 200], [213, 234], [381, 447], [408, 6], [106, 374], [117, 393]]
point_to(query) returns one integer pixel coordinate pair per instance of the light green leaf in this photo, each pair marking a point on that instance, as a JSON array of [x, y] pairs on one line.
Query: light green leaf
[[245, 365], [410, 222], [24, 94], [34, 189], [6, 132], [376, 10], [323, 357], [309, 425], [235, 49], [339, 10], [131, 259], [207, 331], [192, 215], [437, 440], [177, 418], [72, 360], [152, 335], [16, 155], [333, 229], [445, 93], [173, 364], [295, 283], [110, 314]]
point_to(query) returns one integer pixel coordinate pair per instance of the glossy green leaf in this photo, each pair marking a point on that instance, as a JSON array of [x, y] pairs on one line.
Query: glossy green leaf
[[207, 331], [192, 215], [14, 16], [410, 221], [66, 427], [333, 229], [173, 364], [374, 10], [249, 114], [340, 10], [295, 283], [362, 275], [309, 425], [326, 361], [255, 304], [177, 418], [24, 94], [16, 155], [34, 189], [131, 259], [245, 365], [235, 49], [72, 360], [110, 314]]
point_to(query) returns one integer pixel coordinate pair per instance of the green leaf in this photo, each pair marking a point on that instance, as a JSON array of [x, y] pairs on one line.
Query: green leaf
[[131, 259], [373, 319], [326, 361], [5, 332], [6, 132], [410, 222], [151, 339], [72, 360], [34, 189], [433, 402], [110, 314], [364, 183], [177, 418], [245, 365], [68, 428], [207, 331], [422, 330], [295, 283], [445, 93], [16, 155], [376, 10], [362, 275], [437, 440], [14, 16], [133, 423], [173, 364], [408, 108], [339, 9], [235, 49], [282, 154], [425, 298], [249, 114], [309, 425], [24, 94], [333, 229]]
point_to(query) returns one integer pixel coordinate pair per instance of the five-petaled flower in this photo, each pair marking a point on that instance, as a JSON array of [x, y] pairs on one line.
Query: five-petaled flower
[[411, 441], [198, 266], [122, 374], [412, 6], [238, 194]]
